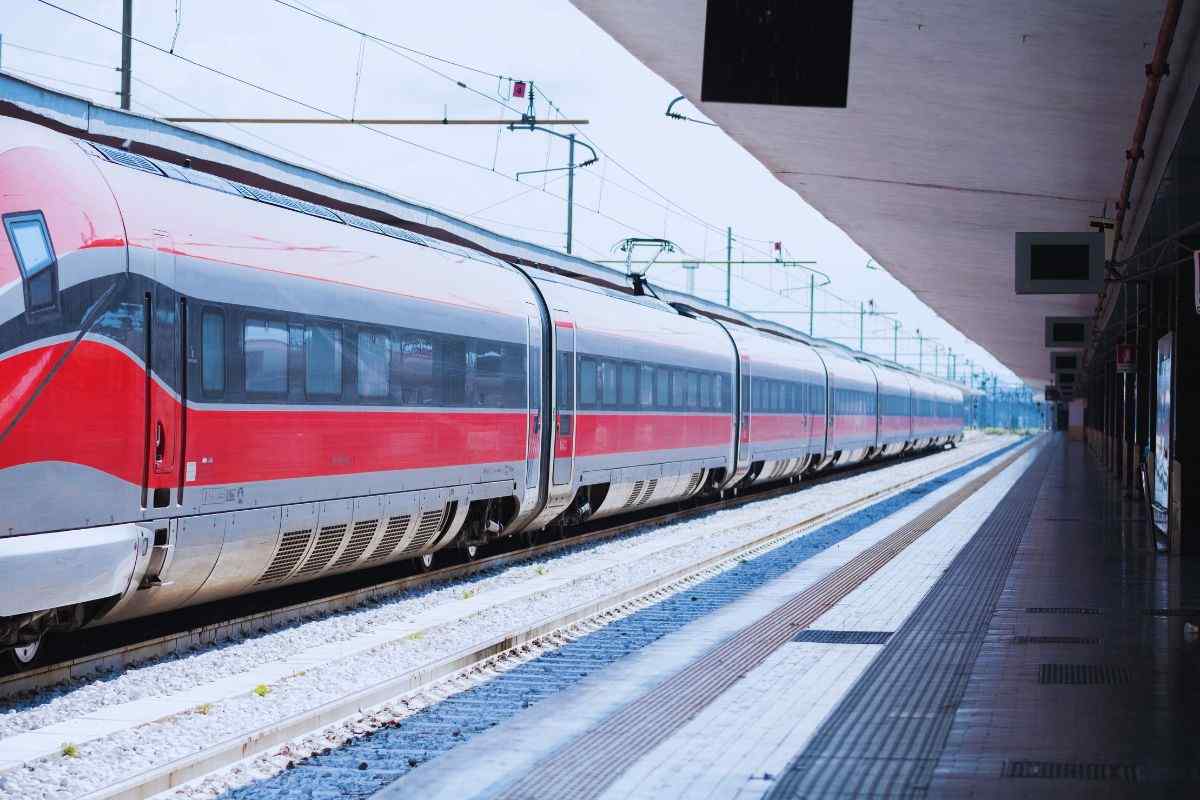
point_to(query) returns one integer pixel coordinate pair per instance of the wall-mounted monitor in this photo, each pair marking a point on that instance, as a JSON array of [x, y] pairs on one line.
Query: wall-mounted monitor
[[1059, 263], [1064, 361], [1068, 332]]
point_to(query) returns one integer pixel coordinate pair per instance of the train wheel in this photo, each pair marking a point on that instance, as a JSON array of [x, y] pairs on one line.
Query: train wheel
[[22, 657], [426, 561]]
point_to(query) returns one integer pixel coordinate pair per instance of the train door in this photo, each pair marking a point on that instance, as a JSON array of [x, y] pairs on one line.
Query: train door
[[744, 414], [533, 434], [564, 397], [163, 378]]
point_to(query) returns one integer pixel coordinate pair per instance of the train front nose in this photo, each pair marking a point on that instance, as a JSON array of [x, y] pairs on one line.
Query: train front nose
[[62, 264], [71, 390]]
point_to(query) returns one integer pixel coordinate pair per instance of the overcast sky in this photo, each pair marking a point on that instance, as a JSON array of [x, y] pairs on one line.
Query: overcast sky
[[656, 176]]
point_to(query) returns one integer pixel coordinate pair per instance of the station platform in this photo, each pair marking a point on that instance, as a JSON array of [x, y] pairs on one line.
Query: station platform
[[1015, 632]]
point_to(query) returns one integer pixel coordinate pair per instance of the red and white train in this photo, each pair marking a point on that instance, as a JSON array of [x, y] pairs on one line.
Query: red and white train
[[208, 388]]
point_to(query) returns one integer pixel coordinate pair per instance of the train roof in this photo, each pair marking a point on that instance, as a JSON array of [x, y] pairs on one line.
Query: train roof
[[179, 152]]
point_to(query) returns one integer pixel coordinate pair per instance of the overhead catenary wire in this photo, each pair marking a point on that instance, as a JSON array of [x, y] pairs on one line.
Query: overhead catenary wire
[[387, 43], [75, 84], [398, 49], [317, 109], [74, 59], [745, 240], [308, 10], [672, 206]]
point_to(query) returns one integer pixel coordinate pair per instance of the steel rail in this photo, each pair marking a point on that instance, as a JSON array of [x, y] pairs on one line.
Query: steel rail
[[248, 744]]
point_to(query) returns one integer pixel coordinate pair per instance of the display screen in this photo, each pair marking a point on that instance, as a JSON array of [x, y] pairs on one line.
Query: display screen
[[1068, 331], [1059, 262], [1162, 433]]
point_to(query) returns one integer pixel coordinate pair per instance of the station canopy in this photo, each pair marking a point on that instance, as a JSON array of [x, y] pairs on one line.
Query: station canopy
[[963, 124]]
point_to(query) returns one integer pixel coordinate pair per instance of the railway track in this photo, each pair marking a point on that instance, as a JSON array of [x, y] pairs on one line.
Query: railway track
[[92, 651], [592, 612]]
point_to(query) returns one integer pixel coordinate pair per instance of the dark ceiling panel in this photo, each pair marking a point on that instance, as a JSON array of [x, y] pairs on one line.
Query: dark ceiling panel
[[777, 52]]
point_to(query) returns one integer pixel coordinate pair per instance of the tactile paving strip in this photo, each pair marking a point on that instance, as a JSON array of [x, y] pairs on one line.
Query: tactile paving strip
[[884, 738], [587, 765]]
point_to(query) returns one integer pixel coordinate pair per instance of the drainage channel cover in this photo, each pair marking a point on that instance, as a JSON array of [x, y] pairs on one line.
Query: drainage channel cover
[[1079, 674], [1072, 771], [843, 637], [1173, 612], [1063, 610], [1056, 640]]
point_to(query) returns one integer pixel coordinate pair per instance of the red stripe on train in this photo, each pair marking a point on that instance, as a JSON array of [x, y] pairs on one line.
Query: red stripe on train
[[605, 434], [92, 413]]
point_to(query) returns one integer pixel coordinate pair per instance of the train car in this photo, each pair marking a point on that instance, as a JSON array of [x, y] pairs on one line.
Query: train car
[[783, 406], [852, 408], [644, 402], [895, 428], [949, 411]]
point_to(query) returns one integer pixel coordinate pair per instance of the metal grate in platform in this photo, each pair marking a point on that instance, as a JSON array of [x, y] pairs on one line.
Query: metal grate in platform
[[1073, 771], [843, 637], [1063, 610], [1082, 674]]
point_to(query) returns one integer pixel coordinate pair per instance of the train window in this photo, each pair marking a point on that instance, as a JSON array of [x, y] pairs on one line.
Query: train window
[[493, 368], [374, 356], [608, 383], [678, 388], [212, 352], [35, 256], [322, 360], [629, 375], [450, 361], [646, 387], [706, 390], [693, 390], [719, 392], [266, 351], [416, 370], [662, 388], [587, 382]]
